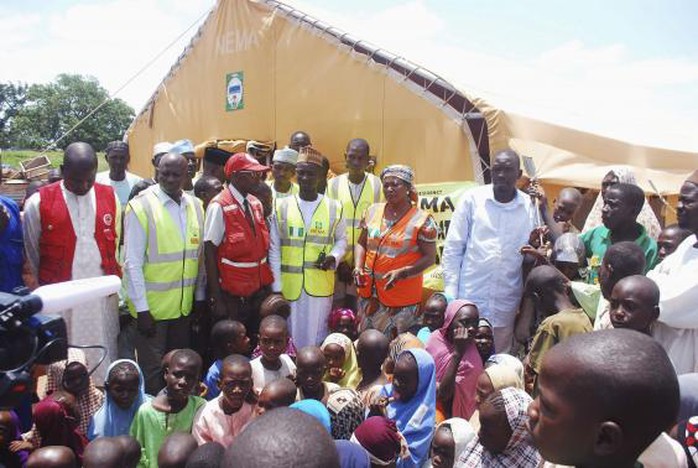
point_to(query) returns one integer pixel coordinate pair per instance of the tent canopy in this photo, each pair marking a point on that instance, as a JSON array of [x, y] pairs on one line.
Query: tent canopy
[[259, 69]]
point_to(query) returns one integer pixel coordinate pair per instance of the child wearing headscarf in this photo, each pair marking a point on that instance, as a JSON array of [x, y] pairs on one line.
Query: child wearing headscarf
[[450, 439], [484, 339], [315, 409], [410, 401], [342, 366], [56, 421], [507, 360], [400, 343], [379, 436], [343, 320], [495, 377], [497, 445], [125, 388], [77, 382], [89, 398], [441, 346], [346, 410]]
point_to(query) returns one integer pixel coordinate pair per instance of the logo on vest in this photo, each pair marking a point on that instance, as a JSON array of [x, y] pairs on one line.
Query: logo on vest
[[296, 231], [107, 219]]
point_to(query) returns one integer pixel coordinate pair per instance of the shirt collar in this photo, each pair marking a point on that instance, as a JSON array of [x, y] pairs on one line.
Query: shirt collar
[[67, 192], [236, 194], [605, 233], [514, 203], [165, 198]]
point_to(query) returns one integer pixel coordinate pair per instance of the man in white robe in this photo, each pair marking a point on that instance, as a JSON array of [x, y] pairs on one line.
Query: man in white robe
[[677, 278], [95, 322]]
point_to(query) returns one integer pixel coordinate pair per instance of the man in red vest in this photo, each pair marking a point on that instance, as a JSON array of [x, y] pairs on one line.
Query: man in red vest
[[236, 245], [71, 231]]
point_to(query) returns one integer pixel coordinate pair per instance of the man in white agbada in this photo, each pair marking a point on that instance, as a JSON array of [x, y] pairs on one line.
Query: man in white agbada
[[481, 258], [71, 231], [308, 237], [677, 278]]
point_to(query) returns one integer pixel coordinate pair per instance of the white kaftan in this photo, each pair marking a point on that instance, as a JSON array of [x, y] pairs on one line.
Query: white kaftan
[[677, 327], [307, 323], [95, 322]]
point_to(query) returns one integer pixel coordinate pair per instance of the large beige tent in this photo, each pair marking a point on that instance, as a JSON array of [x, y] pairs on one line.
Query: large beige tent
[[258, 69]]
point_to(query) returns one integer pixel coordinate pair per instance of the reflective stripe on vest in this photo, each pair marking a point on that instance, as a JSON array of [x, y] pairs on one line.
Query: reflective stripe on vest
[[171, 263], [243, 264], [391, 249], [338, 189], [300, 250]]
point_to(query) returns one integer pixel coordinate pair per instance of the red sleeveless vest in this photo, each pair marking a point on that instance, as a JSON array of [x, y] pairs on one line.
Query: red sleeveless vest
[[242, 256], [57, 241]]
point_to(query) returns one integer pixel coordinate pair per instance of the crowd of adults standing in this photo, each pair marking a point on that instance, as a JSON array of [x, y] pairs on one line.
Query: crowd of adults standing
[[319, 278]]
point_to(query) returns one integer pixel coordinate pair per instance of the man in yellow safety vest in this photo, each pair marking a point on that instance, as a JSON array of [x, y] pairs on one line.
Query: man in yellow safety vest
[[164, 268], [307, 237], [356, 190]]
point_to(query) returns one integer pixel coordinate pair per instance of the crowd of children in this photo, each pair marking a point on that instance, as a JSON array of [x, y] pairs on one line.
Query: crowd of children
[[451, 402], [587, 385]]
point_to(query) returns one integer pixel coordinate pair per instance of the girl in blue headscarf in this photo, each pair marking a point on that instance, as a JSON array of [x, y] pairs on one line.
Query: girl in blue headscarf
[[125, 394], [410, 401]]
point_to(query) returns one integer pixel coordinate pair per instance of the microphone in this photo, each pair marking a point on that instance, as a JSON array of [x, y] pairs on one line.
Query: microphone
[[61, 296]]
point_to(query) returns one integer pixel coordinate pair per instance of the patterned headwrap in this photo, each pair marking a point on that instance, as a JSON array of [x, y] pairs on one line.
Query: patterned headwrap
[[346, 412], [519, 451], [89, 401], [401, 171]]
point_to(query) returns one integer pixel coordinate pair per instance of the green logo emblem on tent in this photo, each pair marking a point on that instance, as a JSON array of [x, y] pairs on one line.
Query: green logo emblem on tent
[[234, 91]]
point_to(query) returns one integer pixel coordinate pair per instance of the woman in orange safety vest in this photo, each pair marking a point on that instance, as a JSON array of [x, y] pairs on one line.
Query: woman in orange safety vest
[[397, 243]]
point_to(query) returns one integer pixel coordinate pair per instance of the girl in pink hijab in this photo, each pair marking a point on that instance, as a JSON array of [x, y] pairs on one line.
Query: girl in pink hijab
[[458, 363]]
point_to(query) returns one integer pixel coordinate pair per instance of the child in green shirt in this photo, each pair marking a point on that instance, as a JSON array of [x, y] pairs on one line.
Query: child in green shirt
[[174, 410]]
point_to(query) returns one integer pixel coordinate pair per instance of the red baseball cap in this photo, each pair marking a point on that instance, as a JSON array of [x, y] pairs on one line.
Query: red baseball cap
[[243, 162]]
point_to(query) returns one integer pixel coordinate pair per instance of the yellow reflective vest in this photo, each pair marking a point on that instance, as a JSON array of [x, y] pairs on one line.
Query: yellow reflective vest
[[171, 264], [278, 196], [301, 248], [353, 212]]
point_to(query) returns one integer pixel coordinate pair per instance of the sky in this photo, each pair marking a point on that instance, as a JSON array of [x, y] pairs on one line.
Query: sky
[[627, 69]]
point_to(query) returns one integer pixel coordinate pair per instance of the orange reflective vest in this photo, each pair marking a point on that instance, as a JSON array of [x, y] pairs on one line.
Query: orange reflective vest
[[388, 250]]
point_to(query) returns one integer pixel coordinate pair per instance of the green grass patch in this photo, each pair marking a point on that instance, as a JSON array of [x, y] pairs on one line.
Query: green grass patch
[[13, 158]]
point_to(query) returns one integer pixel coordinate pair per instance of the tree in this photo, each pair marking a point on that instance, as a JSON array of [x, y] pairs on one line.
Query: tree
[[53, 109], [12, 99]]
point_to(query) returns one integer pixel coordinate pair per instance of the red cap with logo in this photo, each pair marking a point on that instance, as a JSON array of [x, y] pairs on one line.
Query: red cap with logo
[[243, 162]]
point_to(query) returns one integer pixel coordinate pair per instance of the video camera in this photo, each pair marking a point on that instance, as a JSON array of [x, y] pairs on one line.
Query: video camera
[[26, 338]]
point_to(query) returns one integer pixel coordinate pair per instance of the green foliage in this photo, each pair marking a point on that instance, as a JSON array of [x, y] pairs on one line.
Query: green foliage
[[12, 99], [52, 109]]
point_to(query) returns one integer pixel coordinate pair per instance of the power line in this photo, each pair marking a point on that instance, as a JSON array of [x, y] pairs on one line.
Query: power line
[[53, 143]]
